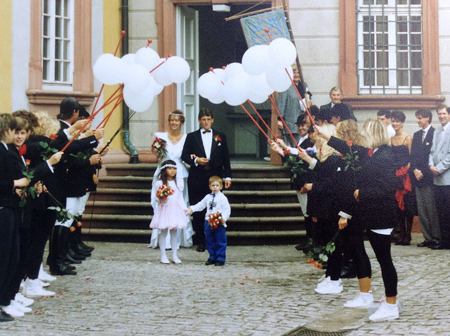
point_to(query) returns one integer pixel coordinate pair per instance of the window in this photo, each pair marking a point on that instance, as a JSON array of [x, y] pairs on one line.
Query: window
[[57, 42], [389, 50]]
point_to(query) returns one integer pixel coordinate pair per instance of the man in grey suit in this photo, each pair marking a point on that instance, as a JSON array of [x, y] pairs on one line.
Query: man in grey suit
[[439, 162], [422, 179], [290, 107], [336, 96]]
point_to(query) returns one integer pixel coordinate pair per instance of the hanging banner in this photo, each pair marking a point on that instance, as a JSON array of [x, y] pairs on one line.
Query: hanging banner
[[255, 25]]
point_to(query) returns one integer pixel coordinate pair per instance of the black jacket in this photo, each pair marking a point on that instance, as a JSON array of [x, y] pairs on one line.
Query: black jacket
[[420, 153]]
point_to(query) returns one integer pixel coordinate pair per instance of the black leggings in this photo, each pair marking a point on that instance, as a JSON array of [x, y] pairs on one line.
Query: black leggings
[[381, 245]]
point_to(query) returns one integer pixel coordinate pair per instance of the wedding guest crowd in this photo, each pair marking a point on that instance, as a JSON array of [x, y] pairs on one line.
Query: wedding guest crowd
[[43, 192]]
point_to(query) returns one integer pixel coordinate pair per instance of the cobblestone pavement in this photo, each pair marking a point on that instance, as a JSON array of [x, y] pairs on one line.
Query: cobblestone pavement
[[263, 290]]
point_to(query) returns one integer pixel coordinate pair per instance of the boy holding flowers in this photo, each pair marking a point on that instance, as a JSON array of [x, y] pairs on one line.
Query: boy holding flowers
[[217, 213]]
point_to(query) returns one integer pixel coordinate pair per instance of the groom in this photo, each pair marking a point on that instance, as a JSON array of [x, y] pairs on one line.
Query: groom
[[206, 151]]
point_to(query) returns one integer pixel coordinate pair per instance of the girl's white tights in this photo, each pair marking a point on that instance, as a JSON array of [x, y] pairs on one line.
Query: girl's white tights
[[173, 243]]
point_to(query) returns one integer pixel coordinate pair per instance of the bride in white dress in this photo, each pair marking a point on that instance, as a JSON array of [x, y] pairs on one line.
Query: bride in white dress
[[175, 141]]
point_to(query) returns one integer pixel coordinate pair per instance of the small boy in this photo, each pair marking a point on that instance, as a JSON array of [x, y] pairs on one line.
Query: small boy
[[216, 237]]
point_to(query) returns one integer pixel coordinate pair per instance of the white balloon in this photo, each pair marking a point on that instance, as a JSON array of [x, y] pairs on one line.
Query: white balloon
[[282, 52], [109, 70], [237, 89], [147, 57], [218, 98], [278, 79], [256, 98], [137, 78], [157, 89], [139, 101], [259, 85], [256, 60], [208, 85], [220, 73], [160, 74], [233, 69], [177, 69], [129, 59]]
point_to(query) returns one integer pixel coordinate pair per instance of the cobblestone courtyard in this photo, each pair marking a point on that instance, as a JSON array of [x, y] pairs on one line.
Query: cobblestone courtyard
[[262, 290]]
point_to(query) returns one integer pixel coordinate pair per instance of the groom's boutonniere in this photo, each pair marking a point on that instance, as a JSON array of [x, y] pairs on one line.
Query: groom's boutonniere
[[427, 144], [217, 138]]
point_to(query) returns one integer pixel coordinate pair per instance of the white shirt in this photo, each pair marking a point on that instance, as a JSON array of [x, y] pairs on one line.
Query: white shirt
[[219, 204], [425, 132], [302, 139], [207, 141], [391, 131]]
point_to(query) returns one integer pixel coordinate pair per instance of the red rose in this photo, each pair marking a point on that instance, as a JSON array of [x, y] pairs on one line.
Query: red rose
[[22, 150], [72, 229], [218, 138], [79, 224], [53, 136], [287, 151], [349, 143], [342, 155], [27, 162]]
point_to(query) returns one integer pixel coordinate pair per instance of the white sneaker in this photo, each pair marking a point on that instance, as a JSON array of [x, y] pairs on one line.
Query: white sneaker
[[43, 284], [361, 301], [19, 307], [326, 281], [386, 312], [164, 260], [24, 301], [33, 288], [176, 260], [332, 287], [44, 276], [12, 311]]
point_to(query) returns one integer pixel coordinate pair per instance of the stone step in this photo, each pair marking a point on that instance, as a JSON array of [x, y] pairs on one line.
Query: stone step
[[239, 170], [234, 237], [142, 222], [237, 210], [145, 182]]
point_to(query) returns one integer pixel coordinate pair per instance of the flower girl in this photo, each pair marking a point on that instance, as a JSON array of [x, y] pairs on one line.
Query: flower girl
[[168, 206]]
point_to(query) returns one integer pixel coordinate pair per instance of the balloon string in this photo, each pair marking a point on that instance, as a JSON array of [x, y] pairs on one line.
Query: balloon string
[[283, 121], [256, 123], [254, 109], [169, 56], [88, 120], [106, 119], [301, 98]]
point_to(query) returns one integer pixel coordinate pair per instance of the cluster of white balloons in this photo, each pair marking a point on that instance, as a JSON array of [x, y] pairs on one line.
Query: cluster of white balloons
[[263, 71], [133, 70]]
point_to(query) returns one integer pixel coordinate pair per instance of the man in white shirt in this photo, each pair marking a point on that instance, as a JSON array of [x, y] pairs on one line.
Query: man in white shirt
[[384, 115]]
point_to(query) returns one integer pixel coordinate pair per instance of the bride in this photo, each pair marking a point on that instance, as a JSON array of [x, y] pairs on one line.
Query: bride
[[175, 141]]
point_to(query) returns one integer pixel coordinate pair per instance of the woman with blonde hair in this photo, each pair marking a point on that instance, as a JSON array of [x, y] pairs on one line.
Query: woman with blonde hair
[[374, 193]]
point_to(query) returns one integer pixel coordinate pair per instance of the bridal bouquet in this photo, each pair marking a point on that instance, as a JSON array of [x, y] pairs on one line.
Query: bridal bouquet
[[163, 192], [159, 146], [214, 220]]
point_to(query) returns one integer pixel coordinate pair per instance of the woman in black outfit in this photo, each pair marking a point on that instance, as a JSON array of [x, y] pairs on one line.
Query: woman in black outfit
[[376, 209]]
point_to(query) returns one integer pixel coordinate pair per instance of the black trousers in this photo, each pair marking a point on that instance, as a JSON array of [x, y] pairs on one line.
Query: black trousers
[[24, 248], [442, 198], [42, 222], [9, 252], [354, 241]]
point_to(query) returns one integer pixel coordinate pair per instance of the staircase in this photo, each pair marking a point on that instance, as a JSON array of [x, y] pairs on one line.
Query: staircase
[[263, 208]]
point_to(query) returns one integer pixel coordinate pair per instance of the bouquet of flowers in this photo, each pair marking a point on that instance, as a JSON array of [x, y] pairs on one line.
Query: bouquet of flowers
[[214, 220], [163, 192], [159, 146]]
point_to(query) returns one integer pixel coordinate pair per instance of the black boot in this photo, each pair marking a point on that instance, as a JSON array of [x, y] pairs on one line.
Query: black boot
[[78, 237], [73, 243], [60, 243]]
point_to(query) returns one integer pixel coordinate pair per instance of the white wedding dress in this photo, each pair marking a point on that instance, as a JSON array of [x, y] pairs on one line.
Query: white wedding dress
[[174, 154]]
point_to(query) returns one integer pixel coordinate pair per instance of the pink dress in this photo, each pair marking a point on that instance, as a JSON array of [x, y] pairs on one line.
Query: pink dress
[[169, 214]]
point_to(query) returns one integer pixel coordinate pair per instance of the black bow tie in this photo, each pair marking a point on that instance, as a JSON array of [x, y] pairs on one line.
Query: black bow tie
[[208, 131]]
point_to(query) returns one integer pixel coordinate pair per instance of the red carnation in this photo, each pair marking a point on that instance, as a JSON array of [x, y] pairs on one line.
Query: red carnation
[[53, 136]]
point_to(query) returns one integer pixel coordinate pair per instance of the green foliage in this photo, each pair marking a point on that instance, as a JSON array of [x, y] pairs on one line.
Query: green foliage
[[297, 166], [47, 151]]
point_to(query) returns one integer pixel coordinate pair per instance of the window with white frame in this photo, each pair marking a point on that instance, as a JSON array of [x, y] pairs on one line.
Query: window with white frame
[[57, 42], [389, 46]]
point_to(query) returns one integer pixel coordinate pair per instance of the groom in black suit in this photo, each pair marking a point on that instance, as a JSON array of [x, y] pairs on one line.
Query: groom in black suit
[[206, 151]]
